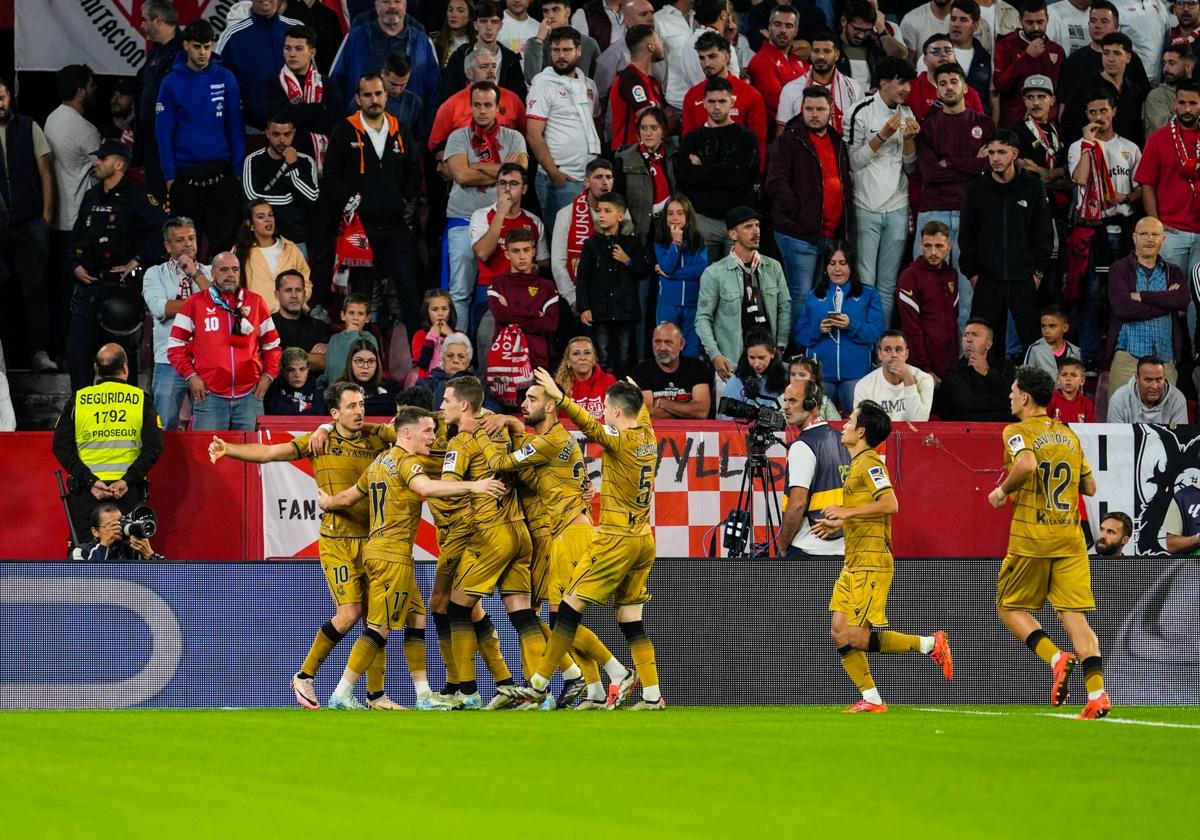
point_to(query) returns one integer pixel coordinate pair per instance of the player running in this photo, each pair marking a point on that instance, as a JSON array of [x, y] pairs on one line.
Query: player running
[[395, 485], [1047, 556], [859, 600]]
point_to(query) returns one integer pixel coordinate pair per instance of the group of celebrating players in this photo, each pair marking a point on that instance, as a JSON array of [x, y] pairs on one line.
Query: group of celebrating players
[[511, 501]]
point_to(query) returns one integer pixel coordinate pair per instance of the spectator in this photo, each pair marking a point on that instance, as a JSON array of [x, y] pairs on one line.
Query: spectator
[[810, 191], [1116, 51], [905, 392], [760, 376], [1067, 24], [456, 362], [1148, 295], [1069, 404], [862, 46], [1026, 52], [295, 391], [312, 100], [28, 193], [811, 18], [844, 92], [1170, 184], [201, 144], [402, 102], [1179, 63], [160, 25], [841, 322], [968, 51], [1006, 238], [683, 69], [675, 385], [366, 48], [881, 135], [474, 155], [718, 165], [518, 27], [556, 13], [487, 25], [747, 109], [1148, 398], [680, 259], [803, 368], [356, 322], [574, 225], [642, 171], [925, 20], [738, 293], [1046, 352], [581, 377], [616, 58], [455, 112], [562, 130], [612, 267], [165, 287], [674, 23], [973, 389], [1041, 150], [775, 65], [228, 359], [1187, 26], [928, 292], [457, 30], [1147, 22], [523, 299], [252, 49], [118, 230], [602, 20], [122, 119], [1102, 166], [263, 253], [938, 52], [439, 322], [1115, 530], [364, 368], [999, 19], [286, 179], [1103, 20], [326, 30], [296, 327], [372, 159], [634, 88]]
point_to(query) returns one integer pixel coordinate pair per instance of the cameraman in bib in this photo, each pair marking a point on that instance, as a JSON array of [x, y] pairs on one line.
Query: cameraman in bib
[[118, 538]]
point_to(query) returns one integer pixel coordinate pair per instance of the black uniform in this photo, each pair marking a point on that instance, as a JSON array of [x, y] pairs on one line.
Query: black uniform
[[113, 227]]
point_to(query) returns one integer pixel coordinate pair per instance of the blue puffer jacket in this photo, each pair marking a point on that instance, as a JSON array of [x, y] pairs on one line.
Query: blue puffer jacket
[[844, 354]]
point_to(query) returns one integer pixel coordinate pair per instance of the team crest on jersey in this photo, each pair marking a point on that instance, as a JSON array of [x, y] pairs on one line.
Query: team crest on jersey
[[524, 452], [450, 462], [878, 477], [1015, 444], [977, 131], [533, 291]]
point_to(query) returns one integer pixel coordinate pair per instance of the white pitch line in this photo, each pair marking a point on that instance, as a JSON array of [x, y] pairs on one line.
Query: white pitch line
[[1129, 721], [957, 711]]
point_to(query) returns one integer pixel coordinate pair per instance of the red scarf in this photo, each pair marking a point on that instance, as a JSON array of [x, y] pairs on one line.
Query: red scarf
[[1099, 192], [308, 91], [655, 163], [1179, 39], [485, 142], [1048, 141], [1188, 161], [579, 232]]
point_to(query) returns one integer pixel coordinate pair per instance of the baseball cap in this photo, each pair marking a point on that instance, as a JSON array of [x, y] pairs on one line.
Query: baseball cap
[[1039, 82], [113, 147], [739, 215]]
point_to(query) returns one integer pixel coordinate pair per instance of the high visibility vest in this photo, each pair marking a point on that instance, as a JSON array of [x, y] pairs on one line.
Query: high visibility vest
[[108, 427]]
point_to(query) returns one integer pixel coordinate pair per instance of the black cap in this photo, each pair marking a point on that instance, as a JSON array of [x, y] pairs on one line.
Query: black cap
[[740, 215], [113, 147], [126, 86]]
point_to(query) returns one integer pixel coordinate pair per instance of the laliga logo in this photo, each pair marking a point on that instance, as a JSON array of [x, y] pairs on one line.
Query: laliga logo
[[166, 642]]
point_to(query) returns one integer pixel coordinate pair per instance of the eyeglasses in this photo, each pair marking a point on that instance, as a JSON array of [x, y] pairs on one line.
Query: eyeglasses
[[364, 362], [507, 183]]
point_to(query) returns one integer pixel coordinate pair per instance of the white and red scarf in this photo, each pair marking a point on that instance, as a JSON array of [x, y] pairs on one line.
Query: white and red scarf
[[1189, 160], [1048, 140], [656, 165], [485, 142], [1099, 192], [308, 91], [580, 231]]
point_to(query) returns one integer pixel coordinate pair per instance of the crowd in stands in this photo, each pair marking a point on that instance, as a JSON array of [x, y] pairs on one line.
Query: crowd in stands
[[903, 200]]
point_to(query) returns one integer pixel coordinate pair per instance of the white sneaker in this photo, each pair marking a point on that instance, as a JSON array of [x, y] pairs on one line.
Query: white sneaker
[[467, 702], [42, 363], [385, 704], [346, 704], [306, 695], [433, 703]]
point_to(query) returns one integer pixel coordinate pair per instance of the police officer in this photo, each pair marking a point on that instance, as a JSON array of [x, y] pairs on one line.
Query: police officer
[[107, 439], [116, 234]]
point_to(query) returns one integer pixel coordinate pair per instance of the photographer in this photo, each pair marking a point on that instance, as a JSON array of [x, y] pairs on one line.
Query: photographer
[[760, 376], [109, 543]]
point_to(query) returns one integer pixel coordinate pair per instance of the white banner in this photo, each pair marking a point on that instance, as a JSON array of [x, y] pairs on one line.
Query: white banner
[[103, 34]]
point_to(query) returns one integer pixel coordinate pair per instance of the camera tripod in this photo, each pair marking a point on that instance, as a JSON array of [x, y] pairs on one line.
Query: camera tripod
[[739, 523]]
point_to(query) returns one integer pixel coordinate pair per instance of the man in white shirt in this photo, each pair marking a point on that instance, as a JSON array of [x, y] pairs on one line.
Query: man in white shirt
[[1146, 23], [561, 127], [817, 464], [905, 392], [683, 65], [517, 26], [674, 24], [1069, 24], [823, 72], [933, 18]]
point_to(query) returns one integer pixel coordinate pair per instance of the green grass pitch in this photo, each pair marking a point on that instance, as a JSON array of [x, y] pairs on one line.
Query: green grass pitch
[[689, 772]]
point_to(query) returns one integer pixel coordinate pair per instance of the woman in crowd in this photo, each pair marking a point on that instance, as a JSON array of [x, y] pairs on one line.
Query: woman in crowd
[[841, 322], [456, 361], [364, 368], [457, 31], [760, 376], [803, 368], [263, 253], [680, 257], [581, 378], [643, 172]]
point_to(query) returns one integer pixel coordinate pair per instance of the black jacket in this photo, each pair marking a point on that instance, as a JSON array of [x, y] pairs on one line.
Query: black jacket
[[605, 286], [796, 183], [309, 117], [510, 75], [386, 185], [1006, 232], [727, 172], [67, 453], [965, 395], [158, 64]]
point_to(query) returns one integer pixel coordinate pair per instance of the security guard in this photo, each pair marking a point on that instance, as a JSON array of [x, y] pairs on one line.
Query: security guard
[[116, 233], [107, 440]]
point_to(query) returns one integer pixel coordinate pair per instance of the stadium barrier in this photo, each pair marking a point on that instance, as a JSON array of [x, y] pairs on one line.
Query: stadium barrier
[[739, 632]]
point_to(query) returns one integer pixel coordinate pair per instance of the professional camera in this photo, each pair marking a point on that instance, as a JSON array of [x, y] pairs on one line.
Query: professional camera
[[766, 419], [140, 523]]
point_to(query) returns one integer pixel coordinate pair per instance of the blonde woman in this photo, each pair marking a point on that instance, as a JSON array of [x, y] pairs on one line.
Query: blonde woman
[[581, 377]]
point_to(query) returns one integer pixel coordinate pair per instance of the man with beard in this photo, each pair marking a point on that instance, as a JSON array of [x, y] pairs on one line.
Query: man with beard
[[673, 386], [487, 21], [561, 131], [748, 108], [844, 92], [1042, 152], [1169, 179], [861, 46], [1019, 55], [1187, 27], [1114, 532], [775, 65], [160, 25], [938, 52], [1179, 63], [1117, 52]]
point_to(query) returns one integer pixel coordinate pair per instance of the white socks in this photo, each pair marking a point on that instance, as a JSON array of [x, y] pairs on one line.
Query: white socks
[[572, 673], [615, 670], [926, 644], [871, 695]]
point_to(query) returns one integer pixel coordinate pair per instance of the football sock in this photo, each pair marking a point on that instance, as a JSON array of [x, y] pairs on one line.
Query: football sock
[[854, 663], [641, 650], [588, 645], [560, 642], [567, 667], [376, 669], [888, 641], [587, 667], [488, 642], [1040, 643], [368, 646], [414, 649], [615, 670], [533, 644], [595, 692], [326, 640], [422, 688], [462, 636], [1093, 675], [441, 622]]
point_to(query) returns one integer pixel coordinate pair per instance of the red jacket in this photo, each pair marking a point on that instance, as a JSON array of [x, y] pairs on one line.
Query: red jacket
[[1012, 66], [589, 392], [748, 111], [928, 299], [530, 302], [202, 343], [771, 69]]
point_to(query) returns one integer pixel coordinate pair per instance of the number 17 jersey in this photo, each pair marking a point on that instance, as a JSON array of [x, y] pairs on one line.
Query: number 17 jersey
[[1045, 519]]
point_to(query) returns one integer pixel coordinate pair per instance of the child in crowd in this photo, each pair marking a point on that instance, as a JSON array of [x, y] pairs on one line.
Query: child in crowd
[[440, 319], [525, 299], [295, 391], [1069, 404], [356, 320], [680, 257], [1053, 345]]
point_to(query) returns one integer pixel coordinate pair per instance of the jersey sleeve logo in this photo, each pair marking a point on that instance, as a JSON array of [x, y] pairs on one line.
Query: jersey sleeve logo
[[1016, 444], [639, 93], [523, 453], [879, 477], [416, 468], [612, 430], [450, 463]]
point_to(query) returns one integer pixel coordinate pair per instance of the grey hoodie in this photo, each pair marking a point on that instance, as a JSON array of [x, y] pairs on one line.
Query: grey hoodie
[[1126, 406]]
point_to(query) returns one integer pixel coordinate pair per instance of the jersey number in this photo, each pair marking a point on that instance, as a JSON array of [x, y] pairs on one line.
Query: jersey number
[[378, 499], [643, 498], [579, 472], [212, 324], [1055, 478]]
